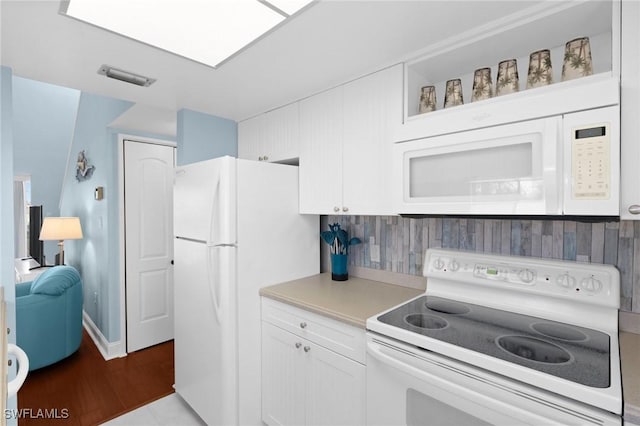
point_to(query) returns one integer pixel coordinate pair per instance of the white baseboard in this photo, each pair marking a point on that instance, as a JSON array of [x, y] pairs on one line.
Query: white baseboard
[[109, 350]]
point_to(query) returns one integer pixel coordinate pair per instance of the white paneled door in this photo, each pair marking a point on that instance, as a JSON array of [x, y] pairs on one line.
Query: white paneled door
[[148, 184]]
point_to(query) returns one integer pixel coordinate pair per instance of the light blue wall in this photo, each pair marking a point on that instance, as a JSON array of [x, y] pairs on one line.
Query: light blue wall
[[44, 117], [6, 212], [202, 137], [94, 255]]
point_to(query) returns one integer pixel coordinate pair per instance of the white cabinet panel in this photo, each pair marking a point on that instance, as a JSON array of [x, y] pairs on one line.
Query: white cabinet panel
[[303, 382], [272, 136], [282, 134], [251, 134], [372, 109], [345, 144], [335, 390], [321, 153], [282, 377], [630, 112]]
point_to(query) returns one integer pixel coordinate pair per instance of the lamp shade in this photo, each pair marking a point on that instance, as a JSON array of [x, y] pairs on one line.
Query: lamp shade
[[61, 228]]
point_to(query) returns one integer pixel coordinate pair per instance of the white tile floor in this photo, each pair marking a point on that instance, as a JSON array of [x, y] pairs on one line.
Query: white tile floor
[[170, 410]]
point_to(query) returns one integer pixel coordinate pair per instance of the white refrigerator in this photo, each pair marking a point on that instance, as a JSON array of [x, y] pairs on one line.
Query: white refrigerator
[[237, 229]]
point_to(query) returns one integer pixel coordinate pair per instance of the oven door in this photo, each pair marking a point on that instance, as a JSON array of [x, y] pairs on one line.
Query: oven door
[[411, 386], [509, 169]]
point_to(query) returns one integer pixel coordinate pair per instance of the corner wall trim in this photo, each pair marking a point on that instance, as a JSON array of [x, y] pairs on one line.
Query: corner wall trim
[[109, 350]]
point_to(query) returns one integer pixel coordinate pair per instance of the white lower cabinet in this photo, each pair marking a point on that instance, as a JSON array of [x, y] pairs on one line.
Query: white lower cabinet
[[303, 382]]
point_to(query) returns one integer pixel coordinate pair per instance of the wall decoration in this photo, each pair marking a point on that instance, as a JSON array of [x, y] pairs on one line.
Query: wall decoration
[[83, 169]]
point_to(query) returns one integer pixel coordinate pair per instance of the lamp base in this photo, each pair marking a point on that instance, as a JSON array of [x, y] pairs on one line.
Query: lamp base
[[60, 256]]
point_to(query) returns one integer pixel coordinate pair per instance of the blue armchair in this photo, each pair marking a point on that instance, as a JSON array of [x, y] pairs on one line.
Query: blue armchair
[[49, 316]]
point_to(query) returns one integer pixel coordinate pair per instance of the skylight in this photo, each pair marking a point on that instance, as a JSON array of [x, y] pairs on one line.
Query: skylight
[[206, 31]]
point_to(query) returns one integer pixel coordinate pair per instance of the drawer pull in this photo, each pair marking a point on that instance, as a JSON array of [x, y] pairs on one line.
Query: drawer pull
[[307, 348], [303, 325], [298, 344]]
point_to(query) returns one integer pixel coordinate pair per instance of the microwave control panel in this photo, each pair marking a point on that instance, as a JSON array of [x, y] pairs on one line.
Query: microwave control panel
[[590, 160]]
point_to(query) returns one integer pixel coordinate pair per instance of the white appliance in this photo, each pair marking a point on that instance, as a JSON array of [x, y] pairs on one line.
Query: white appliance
[[560, 165], [499, 340], [237, 229]]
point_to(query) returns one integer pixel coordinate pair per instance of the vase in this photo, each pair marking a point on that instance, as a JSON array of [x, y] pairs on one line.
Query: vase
[[540, 71], [453, 93], [427, 99], [577, 59], [482, 85], [507, 81], [339, 267]]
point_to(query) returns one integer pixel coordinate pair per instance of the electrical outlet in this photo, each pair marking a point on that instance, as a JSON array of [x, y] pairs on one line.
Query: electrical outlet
[[95, 297], [374, 252]]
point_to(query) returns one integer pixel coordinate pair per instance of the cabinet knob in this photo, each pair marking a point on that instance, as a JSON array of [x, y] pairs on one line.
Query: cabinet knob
[[336, 209], [260, 158], [345, 209], [307, 348], [303, 325], [265, 158], [298, 344], [634, 209]]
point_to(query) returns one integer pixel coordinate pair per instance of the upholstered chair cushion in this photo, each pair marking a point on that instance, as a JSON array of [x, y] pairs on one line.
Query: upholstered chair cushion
[[55, 281]]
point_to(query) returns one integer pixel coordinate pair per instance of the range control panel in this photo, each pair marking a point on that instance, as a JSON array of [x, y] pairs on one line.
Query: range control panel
[[530, 274]]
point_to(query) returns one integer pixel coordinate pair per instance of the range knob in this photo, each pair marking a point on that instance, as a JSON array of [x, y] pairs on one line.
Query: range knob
[[438, 264], [454, 265], [566, 281], [591, 284], [526, 275]]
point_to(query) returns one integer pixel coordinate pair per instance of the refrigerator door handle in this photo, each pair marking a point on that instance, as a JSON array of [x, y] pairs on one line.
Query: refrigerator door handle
[[213, 279]]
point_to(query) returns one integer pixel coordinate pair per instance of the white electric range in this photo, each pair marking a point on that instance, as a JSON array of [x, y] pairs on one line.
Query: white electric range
[[499, 340]]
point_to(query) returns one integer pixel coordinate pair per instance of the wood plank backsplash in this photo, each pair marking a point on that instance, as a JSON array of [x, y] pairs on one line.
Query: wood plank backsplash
[[402, 243]]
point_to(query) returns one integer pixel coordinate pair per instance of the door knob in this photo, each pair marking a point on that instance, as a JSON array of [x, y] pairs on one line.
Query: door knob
[[298, 344], [303, 325], [307, 348]]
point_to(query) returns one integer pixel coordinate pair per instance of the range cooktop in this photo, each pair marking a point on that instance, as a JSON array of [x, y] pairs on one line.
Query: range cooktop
[[574, 353]]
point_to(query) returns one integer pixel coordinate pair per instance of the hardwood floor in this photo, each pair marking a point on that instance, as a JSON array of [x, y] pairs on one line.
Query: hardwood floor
[[93, 390]]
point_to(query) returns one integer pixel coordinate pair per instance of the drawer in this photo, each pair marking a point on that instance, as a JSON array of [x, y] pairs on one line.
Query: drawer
[[337, 336]]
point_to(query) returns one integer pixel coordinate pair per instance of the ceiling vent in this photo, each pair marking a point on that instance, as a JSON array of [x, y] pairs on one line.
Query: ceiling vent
[[126, 76]]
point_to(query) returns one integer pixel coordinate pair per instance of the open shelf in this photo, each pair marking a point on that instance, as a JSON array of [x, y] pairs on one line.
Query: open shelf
[[548, 25]]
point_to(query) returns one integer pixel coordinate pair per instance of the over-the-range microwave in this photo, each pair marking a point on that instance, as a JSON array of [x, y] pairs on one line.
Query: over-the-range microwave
[[561, 165]]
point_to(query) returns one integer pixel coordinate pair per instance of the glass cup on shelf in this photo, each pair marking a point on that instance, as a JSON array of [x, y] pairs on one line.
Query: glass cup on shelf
[[427, 99], [453, 93], [577, 59], [540, 71], [507, 81], [482, 85]]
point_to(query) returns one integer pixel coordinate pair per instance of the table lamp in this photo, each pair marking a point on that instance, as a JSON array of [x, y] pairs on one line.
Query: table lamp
[[61, 228]]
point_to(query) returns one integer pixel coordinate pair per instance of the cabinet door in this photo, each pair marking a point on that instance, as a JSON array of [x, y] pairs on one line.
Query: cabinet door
[[251, 135], [282, 377], [630, 111], [321, 153], [334, 388], [372, 107], [282, 133]]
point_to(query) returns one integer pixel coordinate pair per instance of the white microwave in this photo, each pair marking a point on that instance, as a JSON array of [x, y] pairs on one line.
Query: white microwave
[[561, 165]]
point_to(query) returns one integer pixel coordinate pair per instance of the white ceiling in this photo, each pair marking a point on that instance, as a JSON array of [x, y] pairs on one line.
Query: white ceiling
[[327, 44]]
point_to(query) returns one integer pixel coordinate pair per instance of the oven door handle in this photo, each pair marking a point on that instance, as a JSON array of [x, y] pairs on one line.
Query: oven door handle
[[374, 349]]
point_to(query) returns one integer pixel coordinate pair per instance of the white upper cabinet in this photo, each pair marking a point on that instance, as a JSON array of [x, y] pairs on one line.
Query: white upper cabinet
[[630, 112], [320, 170], [345, 145], [272, 136], [544, 25]]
